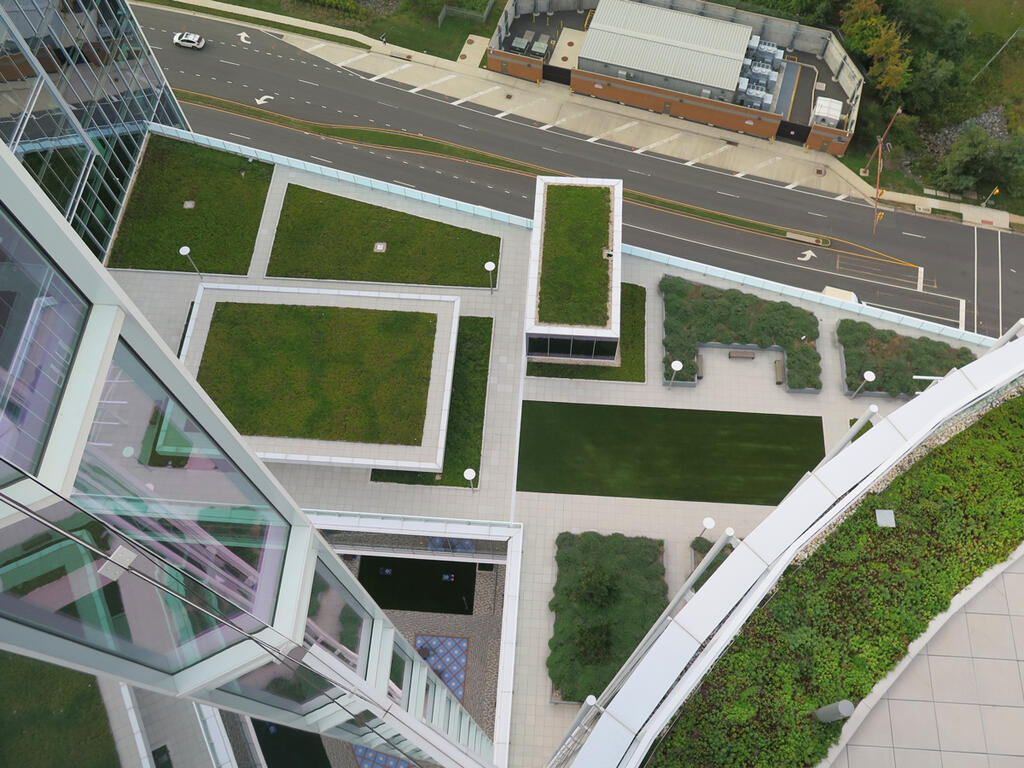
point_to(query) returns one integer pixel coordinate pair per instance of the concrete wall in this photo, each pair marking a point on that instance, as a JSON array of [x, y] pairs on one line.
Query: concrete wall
[[731, 116]]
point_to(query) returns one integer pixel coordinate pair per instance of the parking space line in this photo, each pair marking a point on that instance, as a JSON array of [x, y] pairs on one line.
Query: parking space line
[[476, 95], [654, 144], [375, 78], [429, 85], [613, 130]]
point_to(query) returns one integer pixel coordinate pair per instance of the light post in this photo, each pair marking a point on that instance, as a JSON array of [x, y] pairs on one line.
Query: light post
[[490, 266], [185, 251], [869, 376], [677, 366], [995, 191], [470, 475], [708, 523]]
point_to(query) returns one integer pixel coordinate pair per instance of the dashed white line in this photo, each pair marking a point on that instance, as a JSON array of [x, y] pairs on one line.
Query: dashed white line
[[466, 127], [403, 183], [819, 215], [156, 47], [307, 82], [631, 170], [549, 149], [913, 234], [240, 136], [322, 159], [233, 64], [727, 194], [385, 104]]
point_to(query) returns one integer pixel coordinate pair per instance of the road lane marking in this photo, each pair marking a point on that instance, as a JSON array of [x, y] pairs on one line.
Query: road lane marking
[[357, 57], [322, 159], [613, 130], [233, 64], [307, 82], [707, 155], [975, 279], [476, 95], [913, 234], [727, 194], [466, 127], [560, 121], [549, 149], [239, 136], [375, 78], [675, 135], [156, 47], [429, 85], [758, 166], [631, 170], [524, 106], [819, 215], [790, 186]]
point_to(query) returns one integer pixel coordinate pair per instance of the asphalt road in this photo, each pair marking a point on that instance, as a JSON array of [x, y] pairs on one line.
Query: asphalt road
[[971, 277]]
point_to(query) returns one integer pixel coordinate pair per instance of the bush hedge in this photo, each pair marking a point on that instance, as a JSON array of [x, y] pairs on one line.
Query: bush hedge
[[696, 314], [839, 622], [609, 591], [895, 359]]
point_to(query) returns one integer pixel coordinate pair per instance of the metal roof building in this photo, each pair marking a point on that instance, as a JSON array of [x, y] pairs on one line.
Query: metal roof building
[[665, 48]]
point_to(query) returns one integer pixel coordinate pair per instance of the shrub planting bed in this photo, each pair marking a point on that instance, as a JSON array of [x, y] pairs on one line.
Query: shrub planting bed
[[465, 411], [228, 192], [894, 359], [575, 276], [631, 346], [840, 621], [326, 373], [665, 453], [327, 237], [696, 314], [608, 593]]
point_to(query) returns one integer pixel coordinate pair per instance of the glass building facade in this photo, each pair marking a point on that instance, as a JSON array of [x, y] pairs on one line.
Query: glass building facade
[[78, 88], [140, 539]]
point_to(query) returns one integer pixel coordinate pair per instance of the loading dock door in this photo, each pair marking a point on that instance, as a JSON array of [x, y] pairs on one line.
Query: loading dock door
[[557, 74], [793, 132]]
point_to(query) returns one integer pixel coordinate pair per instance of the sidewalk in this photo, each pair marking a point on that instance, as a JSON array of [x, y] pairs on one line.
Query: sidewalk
[[549, 104]]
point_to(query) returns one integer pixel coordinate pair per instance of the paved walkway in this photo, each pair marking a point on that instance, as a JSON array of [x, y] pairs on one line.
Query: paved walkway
[[538, 724], [551, 104], [960, 702]]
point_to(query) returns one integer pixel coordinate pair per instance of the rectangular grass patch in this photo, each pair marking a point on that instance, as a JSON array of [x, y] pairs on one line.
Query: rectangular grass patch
[[894, 359], [575, 275], [52, 716], [465, 411], [326, 373], [228, 192], [631, 346], [328, 237], [665, 453]]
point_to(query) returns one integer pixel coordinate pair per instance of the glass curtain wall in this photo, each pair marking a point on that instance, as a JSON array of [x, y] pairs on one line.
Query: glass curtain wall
[[82, 88], [41, 319]]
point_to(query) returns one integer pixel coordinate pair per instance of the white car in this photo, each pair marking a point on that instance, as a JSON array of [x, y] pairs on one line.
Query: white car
[[189, 40]]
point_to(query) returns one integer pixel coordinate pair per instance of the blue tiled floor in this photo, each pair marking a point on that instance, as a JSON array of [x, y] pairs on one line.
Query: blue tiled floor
[[368, 758], [447, 658]]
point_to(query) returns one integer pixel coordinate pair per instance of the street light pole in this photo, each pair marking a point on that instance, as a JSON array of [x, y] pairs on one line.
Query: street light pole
[[186, 251], [489, 266], [878, 173], [470, 474], [677, 366], [869, 376]]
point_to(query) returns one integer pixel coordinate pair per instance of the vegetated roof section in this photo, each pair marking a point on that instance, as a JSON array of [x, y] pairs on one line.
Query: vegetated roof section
[[664, 42], [575, 276]]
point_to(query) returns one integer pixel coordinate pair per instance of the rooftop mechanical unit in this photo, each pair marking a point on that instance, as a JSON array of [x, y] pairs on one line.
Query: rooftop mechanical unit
[[827, 112]]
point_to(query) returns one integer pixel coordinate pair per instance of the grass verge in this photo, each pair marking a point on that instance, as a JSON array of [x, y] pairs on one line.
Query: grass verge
[[327, 237], [608, 593], [257, 22], [894, 359], [839, 622], [50, 713], [665, 453], [325, 373], [228, 191], [465, 411], [631, 346], [695, 314], [575, 275]]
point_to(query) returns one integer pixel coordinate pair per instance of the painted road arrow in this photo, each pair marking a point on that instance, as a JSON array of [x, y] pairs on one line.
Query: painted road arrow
[[243, 38], [263, 100], [807, 256]]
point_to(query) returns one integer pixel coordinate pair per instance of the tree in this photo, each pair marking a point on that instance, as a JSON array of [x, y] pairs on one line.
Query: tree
[[890, 71], [858, 10], [932, 84], [970, 160]]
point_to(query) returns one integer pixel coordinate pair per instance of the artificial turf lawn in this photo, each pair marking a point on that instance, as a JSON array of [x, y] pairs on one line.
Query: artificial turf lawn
[[575, 275], [418, 585], [328, 237], [220, 230], [465, 411], [631, 346], [326, 373], [52, 717], [665, 453]]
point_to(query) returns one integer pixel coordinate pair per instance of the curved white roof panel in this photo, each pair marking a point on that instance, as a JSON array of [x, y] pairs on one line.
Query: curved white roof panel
[[634, 35]]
